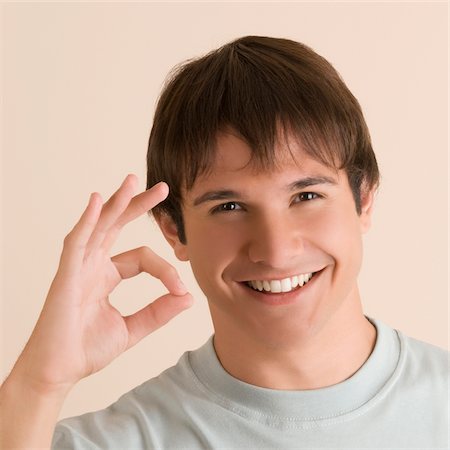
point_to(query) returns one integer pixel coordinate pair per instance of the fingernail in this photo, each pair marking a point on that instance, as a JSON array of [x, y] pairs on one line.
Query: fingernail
[[165, 187]]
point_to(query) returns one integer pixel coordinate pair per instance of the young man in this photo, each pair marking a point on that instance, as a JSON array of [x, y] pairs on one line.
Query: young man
[[272, 178]]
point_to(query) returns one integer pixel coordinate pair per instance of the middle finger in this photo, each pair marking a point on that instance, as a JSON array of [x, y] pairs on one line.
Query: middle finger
[[138, 206]]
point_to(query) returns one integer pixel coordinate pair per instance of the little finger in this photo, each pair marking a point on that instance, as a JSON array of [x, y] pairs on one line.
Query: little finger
[[76, 241]]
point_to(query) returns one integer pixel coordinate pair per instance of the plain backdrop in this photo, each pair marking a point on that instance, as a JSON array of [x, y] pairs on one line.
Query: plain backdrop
[[79, 86]]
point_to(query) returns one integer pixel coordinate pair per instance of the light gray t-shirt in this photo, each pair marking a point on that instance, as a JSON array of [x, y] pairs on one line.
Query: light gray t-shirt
[[398, 399]]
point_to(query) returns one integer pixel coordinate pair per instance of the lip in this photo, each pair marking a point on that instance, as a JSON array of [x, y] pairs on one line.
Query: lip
[[283, 298]]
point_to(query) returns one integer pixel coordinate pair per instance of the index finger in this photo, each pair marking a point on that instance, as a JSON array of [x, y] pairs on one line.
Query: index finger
[[143, 259], [138, 206]]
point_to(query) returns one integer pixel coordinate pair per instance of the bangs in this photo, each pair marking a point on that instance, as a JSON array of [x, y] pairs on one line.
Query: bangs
[[265, 90]]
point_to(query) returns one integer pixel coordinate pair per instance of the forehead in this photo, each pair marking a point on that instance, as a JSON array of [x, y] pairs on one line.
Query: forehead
[[235, 161]]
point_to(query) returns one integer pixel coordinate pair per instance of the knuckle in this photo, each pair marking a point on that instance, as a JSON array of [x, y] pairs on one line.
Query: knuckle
[[154, 316], [141, 207], [144, 251], [68, 240]]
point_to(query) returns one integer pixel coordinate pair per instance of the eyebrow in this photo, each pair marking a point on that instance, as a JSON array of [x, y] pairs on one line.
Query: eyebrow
[[311, 181], [226, 194]]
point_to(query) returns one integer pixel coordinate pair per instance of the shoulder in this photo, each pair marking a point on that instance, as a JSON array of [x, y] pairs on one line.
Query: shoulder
[[425, 361], [173, 385], [138, 417], [422, 351]]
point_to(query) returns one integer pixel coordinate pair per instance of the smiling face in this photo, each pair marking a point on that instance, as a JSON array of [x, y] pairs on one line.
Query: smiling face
[[254, 237]]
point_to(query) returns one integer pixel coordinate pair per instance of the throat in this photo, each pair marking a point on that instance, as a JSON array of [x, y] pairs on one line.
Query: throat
[[319, 363]]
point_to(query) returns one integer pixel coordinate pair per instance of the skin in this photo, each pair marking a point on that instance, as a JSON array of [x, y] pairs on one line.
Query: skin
[[309, 339], [79, 332], [313, 338]]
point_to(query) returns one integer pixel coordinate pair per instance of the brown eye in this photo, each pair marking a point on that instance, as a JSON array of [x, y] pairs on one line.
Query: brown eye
[[305, 196], [230, 206], [225, 207]]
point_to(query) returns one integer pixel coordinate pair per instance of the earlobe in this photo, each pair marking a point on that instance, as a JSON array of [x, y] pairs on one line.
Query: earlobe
[[170, 232], [367, 204]]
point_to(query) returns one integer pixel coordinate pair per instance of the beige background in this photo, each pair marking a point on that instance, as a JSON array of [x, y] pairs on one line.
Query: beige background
[[80, 82]]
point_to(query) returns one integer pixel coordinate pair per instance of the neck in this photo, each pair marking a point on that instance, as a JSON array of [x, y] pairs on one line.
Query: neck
[[311, 361]]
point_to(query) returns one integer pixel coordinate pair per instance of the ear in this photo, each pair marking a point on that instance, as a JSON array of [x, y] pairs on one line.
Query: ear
[[170, 232], [367, 205]]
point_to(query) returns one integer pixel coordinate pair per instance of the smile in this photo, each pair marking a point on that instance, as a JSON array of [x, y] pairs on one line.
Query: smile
[[284, 285]]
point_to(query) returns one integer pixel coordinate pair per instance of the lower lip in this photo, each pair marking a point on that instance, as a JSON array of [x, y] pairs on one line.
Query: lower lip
[[283, 298]]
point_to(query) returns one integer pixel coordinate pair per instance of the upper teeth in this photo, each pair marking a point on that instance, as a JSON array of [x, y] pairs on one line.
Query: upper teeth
[[284, 285]]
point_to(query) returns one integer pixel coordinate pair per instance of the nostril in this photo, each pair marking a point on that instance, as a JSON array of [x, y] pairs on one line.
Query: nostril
[[274, 251]]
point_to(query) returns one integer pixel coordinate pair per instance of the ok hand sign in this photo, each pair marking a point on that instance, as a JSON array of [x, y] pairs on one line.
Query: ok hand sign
[[79, 332]]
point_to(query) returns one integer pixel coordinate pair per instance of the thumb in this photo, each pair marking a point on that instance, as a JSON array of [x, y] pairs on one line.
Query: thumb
[[155, 315]]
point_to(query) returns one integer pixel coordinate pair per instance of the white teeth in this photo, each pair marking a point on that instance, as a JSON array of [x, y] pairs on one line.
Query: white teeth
[[275, 286], [301, 280], [284, 285]]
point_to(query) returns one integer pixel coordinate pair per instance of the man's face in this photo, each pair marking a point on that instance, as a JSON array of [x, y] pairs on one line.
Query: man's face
[[248, 230]]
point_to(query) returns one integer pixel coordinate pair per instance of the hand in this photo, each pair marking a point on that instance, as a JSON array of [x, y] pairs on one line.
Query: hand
[[79, 332]]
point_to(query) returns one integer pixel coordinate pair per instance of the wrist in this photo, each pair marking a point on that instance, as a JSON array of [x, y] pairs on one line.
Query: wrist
[[29, 412], [24, 385]]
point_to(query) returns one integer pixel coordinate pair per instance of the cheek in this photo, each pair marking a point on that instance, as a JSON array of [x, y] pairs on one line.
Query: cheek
[[337, 232], [211, 249]]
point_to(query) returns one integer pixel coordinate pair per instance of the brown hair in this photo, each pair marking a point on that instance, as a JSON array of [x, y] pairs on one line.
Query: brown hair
[[254, 85]]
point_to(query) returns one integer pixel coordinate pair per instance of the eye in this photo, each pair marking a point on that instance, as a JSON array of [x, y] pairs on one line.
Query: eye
[[225, 207], [307, 196]]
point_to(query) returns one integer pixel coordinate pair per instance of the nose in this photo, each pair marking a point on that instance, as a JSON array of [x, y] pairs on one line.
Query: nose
[[275, 241]]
